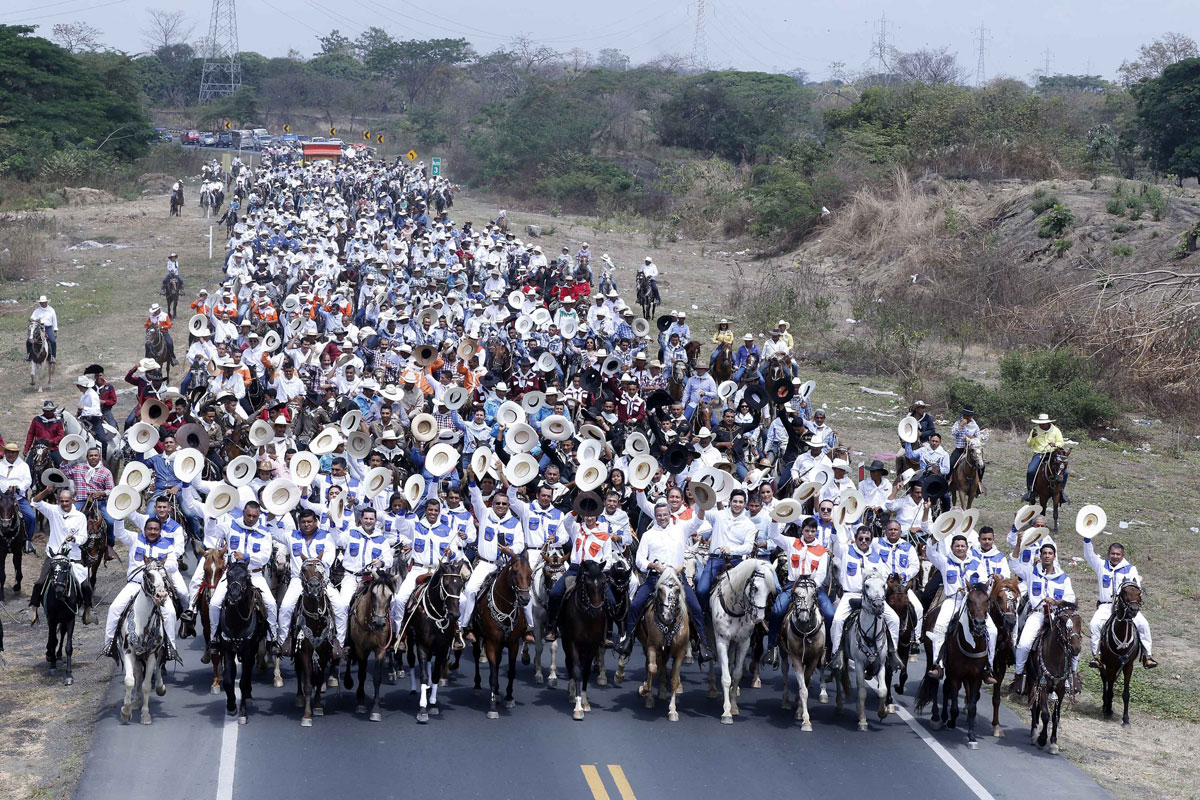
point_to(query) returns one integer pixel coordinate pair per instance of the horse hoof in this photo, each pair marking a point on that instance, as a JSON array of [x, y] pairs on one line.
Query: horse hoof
[[727, 720], [972, 745], [891, 709], [997, 733], [400, 674], [552, 682], [734, 710], [231, 712], [951, 724], [602, 679], [862, 726], [756, 683], [587, 706], [306, 723], [375, 717], [510, 703], [649, 701], [423, 718], [1123, 724], [360, 709], [443, 683], [936, 725], [806, 726], [318, 712], [278, 683], [824, 697], [243, 720], [577, 715], [673, 716], [71, 682], [539, 679], [1053, 750], [53, 672], [642, 690], [204, 659], [161, 689], [434, 711], [617, 681], [125, 713], [215, 690], [493, 715]]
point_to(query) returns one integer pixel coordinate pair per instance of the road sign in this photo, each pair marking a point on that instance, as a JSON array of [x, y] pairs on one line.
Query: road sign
[[366, 136], [287, 128], [333, 131], [379, 138], [435, 167], [228, 125], [412, 155]]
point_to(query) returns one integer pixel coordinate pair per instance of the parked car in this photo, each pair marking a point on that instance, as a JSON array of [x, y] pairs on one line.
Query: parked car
[[225, 139], [289, 138], [208, 140], [163, 135], [338, 142], [190, 137], [263, 141]]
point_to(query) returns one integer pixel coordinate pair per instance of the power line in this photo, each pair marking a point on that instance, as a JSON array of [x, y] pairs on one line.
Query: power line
[[74, 11], [879, 46]]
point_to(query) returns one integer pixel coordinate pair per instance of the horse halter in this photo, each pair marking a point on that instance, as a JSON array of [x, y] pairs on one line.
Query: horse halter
[[1123, 608], [156, 594]]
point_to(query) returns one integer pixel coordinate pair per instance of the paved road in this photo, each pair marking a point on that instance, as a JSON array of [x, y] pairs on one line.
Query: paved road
[[192, 751]]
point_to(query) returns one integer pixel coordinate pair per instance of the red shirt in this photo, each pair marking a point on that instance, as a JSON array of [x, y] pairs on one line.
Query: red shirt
[[51, 430]]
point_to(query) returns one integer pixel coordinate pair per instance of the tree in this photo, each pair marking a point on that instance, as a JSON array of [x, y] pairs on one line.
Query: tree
[[1155, 57], [371, 40], [166, 29], [335, 44], [928, 66], [1168, 110], [417, 65], [612, 59], [76, 37]]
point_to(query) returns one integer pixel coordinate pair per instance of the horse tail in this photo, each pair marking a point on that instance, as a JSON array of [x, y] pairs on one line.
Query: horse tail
[[927, 692]]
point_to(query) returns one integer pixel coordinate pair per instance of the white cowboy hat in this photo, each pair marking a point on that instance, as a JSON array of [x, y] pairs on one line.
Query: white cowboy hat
[[546, 362], [541, 316], [351, 421], [849, 506], [154, 411], [456, 397], [358, 444], [123, 500], [1042, 419], [198, 326], [72, 447], [428, 312], [188, 464], [261, 433], [557, 428], [726, 390], [636, 444], [641, 470], [376, 480], [280, 496], [907, 476], [272, 342], [908, 429], [54, 477], [705, 496], [467, 348], [524, 325], [521, 469], [414, 488], [137, 476], [480, 460], [806, 491], [1025, 515], [947, 524], [787, 510], [326, 441], [147, 365], [510, 413], [337, 509], [822, 474], [589, 450], [641, 327], [304, 466], [520, 438], [241, 470], [533, 402], [141, 437], [1090, 521], [610, 366], [590, 475], [969, 517], [441, 459], [569, 327], [222, 499], [424, 427], [516, 300], [590, 431], [806, 389]]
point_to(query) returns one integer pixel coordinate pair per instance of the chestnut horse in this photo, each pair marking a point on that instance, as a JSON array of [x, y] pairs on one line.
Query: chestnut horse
[[214, 568], [370, 632], [965, 478], [664, 632], [1049, 479], [1003, 601], [500, 624], [1120, 646]]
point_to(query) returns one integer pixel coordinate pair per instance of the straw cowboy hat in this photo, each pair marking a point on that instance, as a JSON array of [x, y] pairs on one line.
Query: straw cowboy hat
[[1090, 521], [947, 524], [590, 475], [480, 460], [521, 469], [908, 429], [1042, 419], [198, 325], [136, 476], [570, 327], [589, 450], [467, 348], [524, 325], [351, 421], [261, 433], [441, 459], [304, 466], [533, 402], [358, 444], [424, 427], [557, 428], [414, 488], [72, 447], [520, 438], [147, 365], [969, 517], [787, 510], [377, 479], [541, 316], [726, 390], [546, 362], [641, 327], [806, 389], [590, 431], [326, 441], [337, 509], [194, 436], [142, 437], [456, 397], [636, 444], [510, 413], [806, 491], [705, 496], [241, 470], [123, 500], [223, 499], [849, 506], [154, 411], [641, 471], [1025, 515], [280, 496], [188, 465], [272, 341], [516, 300], [822, 474]]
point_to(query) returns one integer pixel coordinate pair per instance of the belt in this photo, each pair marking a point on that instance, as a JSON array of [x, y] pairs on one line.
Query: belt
[[260, 569]]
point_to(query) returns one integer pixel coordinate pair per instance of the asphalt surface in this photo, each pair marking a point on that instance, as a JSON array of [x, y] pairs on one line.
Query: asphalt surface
[[535, 750]]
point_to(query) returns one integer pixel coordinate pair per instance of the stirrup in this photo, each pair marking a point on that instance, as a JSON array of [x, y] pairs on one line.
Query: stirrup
[[1149, 663], [1095, 662]]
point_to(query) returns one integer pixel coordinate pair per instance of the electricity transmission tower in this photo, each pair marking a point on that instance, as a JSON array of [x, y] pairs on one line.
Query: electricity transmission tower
[[699, 43], [222, 72], [879, 47], [980, 71]]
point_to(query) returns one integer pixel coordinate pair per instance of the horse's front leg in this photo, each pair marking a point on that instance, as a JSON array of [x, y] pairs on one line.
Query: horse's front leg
[[647, 688], [493, 657], [377, 677], [726, 682], [676, 666], [1125, 694], [426, 678], [509, 702], [973, 691], [996, 731], [131, 680], [360, 691], [247, 686], [861, 683], [803, 677], [1053, 749], [950, 700], [148, 686], [228, 675]]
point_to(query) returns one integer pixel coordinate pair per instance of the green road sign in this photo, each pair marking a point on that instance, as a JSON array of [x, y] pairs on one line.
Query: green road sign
[[435, 166]]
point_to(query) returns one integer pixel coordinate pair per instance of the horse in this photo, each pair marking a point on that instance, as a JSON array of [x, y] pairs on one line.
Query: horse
[[1003, 601], [738, 605], [1049, 479], [965, 483], [430, 632], [802, 640], [312, 652], [897, 597], [1120, 646], [156, 348], [93, 551], [583, 624], [865, 643], [12, 537], [243, 626], [177, 202], [621, 580], [214, 567], [677, 380], [664, 632], [61, 599], [545, 574], [645, 296], [198, 381], [500, 623], [278, 573], [965, 656], [722, 365], [1049, 670], [370, 627], [39, 355], [171, 291], [39, 460], [692, 350], [142, 641], [703, 418]]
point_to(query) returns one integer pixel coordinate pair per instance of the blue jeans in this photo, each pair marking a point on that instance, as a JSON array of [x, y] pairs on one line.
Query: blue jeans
[[28, 515], [783, 601], [713, 566], [107, 520], [642, 599], [1031, 473]]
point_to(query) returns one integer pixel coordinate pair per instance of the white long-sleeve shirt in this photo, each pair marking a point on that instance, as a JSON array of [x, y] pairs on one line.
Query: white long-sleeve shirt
[[495, 530], [1109, 577], [47, 316], [665, 545], [68, 528], [542, 525], [589, 544], [15, 474], [1040, 585], [361, 548], [802, 558], [735, 532]]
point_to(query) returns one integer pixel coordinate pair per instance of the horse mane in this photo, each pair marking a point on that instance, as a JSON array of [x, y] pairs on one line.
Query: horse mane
[[741, 574]]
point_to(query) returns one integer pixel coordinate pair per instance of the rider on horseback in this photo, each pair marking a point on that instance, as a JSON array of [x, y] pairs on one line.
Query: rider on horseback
[[856, 559], [46, 316], [309, 542], [172, 269], [650, 270], [1111, 573], [960, 570], [149, 545], [68, 531], [1044, 439], [1045, 583], [592, 541], [433, 544], [245, 541], [160, 318]]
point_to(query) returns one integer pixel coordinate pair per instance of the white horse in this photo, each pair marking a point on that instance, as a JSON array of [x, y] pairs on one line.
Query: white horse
[[143, 642], [551, 566], [865, 644], [738, 603], [39, 356], [802, 640]]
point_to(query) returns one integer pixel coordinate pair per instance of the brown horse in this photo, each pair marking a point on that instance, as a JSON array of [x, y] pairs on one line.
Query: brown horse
[[1049, 671], [500, 624], [1049, 479], [773, 375], [965, 478], [722, 366], [171, 291], [312, 655], [176, 202], [97, 539], [703, 418], [692, 349], [677, 379], [39, 356], [1003, 601], [1120, 646], [370, 632], [430, 631], [897, 598], [214, 569], [157, 349], [583, 623], [803, 644], [664, 632], [965, 656]]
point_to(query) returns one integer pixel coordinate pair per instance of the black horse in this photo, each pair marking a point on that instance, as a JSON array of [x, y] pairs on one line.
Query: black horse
[[243, 627], [583, 626], [61, 600], [12, 537], [430, 632]]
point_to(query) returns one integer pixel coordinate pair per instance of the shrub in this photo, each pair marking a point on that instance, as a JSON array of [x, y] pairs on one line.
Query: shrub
[[1116, 207], [1057, 382], [1120, 229], [1122, 250], [1043, 202], [1136, 207], [24, 244], [1055, 221], [1158, 201], [1060, 247]]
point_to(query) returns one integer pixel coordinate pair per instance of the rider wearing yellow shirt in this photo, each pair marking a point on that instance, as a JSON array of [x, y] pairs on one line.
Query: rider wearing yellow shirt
[[1044, 439], [723, 336]]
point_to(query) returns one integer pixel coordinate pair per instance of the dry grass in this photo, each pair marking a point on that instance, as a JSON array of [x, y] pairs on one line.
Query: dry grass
[[25, 244]]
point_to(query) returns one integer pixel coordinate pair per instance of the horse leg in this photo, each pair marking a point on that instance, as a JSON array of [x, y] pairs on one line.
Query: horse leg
[[426, 679], [509, 702], [148, 684], [972, 706], [52, 646], [439, 668], [861, 706], [950, 700], [1110, 685], [475, 651], [600, 668], [229, 674], [247, 687], [586, 661], [305, 679], [803, 677], [130, 682], [676, 666], [647, 688], [552, 678], [68, 648], [1045, 714], [377, 678], [784, 662], [619, 672], [539, 677], [575, 685], [1125, 694], [493, 656], [360, 694], [996, 731], [1053, 749]]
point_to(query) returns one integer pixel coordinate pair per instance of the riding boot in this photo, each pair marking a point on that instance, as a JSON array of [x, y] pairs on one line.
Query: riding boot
[[458, 645], [625, 645], [110, 554], [988, 678], [28, 548], [772, 658], [550, 631], [273, 648], [187, 623], [1076, 683], [287, 647], [109, 648], [1028, 496], [1095, 662], [1148, 662], [1018, 685], [337, 649]]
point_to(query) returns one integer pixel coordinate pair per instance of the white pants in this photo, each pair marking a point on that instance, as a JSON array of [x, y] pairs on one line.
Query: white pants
[[125, 598], [890, 618], [1025, 641], [942, 625], [918, 612], [407, 587], [1101, 616], [292, 596], [258, 581], [467, 605]]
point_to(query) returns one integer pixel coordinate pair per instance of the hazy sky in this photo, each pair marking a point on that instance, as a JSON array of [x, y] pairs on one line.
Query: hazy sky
[[772, 35]]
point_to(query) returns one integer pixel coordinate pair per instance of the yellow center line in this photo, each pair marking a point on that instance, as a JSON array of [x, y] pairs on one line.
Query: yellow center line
[[592, 776], [618, 776]]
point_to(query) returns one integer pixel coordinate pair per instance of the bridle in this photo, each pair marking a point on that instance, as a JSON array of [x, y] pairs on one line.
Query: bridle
[[585, 604], [745, 601], [804, 613]]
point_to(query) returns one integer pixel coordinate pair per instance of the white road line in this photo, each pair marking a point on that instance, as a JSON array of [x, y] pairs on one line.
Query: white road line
[[950, 761], [229, 737]]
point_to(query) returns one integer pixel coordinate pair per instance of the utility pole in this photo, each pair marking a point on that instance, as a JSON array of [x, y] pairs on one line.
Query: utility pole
[[700, 42], [980, 70], [879, 47], [222, 72], [1046, 56]]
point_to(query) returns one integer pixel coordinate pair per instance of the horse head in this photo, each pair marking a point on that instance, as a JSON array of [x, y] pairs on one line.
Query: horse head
[[592, 583], [977, 609], [60, 576], [897, 594], [1004, 598], [1059, 459], [383, 588], [237, 581], [975, 452], [313, 578], [874, 592], [761, 588], [804, 599], [1067, 626], [452, 588], [1127, 602], [154, 580], [668, 593], [620, 572], [9, 513], [520, 578]]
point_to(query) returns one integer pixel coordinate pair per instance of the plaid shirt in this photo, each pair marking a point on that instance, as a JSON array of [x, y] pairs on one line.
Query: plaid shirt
[[100, 483]]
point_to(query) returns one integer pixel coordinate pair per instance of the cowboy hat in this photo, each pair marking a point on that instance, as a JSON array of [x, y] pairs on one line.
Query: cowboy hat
[[376, 480], [467, 348], [1090, 521], [784, 391], [261, 433], [520, 438], [241, 470], [147, 365], [193, 436], [610, 367], [659, 398], [122, 501], [664, 322], [821, 474], [272, 341], [636, 444], [480, 460], [188, 464], [557, 428], [72, 447], [154, 411], [726, 390], [787, 510], [541, 316], [755, 397], [641, 470], [969, 517], [589, 450], [706, 498], [441, 459], [425, 354], [546, 362], [908, 429], [641, 327], [54, 477], [521, 469], [198, 326], [326, 441], [907, 476], [532, 402], [569, 327], [590, 475], [414, 488], [1025, 515], [1042, 419], [137, 476], [947, 524], [510, 413], [850, 505], [351, 421], [424, 427], [807, 490], [304, 466], [456, 397], [524, 325], [806, 389], [427, 313], [588, 504], [280, 496], [142, 437], [516, 300], [675, 459], [358, 444], [337, 509], [935, 486], [590, 431]]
